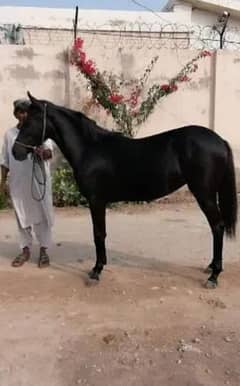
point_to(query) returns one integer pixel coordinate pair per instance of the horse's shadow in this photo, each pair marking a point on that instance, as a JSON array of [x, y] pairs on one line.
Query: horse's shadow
[[72, 258]]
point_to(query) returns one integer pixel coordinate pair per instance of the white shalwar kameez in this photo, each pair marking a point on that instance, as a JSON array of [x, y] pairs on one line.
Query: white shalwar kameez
[[31, 214]]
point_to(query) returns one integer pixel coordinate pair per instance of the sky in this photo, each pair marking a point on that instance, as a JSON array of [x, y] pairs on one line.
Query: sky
[[129, 5]]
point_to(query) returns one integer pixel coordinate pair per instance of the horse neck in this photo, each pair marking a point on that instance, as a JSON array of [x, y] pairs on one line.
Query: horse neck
[[67, 136]]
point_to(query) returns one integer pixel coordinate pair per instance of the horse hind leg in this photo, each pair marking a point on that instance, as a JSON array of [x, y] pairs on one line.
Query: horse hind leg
[[208, 204]]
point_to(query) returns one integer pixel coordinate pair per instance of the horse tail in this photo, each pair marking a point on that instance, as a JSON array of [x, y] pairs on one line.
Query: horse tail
[[228, 196]]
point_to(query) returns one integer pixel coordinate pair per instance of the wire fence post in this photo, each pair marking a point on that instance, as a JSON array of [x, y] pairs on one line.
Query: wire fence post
[[75, 23], [221, 26]]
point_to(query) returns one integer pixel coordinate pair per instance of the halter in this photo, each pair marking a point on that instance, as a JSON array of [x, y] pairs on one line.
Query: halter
[[37, 160], [43, 131]]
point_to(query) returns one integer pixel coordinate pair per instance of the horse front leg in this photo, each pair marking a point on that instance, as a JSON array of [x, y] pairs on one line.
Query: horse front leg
[[98, 214]]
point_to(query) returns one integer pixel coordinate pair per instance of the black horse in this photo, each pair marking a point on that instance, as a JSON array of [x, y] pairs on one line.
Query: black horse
[[110, 167]]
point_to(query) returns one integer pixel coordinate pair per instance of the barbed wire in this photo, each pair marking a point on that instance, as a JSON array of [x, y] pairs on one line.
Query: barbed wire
[[171, 35], [136, 35]]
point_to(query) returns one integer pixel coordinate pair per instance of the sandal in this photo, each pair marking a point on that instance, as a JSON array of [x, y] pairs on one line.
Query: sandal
[[43, 261], [20, 260]]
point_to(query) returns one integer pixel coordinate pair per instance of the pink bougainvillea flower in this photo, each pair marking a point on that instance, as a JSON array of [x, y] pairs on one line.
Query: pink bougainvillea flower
[[78, 43], [88, 67], [133, 112], [133, 100], [184, 78], [116, 98], [165, 87], [205, 53]]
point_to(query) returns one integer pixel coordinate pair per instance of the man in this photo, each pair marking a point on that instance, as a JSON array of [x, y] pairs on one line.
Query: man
[[33, 207]]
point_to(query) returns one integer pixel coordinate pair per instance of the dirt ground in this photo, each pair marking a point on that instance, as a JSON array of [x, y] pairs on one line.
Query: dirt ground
[[148, 322]]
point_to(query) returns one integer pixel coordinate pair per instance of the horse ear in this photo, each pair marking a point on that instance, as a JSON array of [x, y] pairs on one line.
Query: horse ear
[[32, 99]]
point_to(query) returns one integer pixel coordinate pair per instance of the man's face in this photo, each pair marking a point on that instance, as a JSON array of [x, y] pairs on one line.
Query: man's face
[[20, 116]]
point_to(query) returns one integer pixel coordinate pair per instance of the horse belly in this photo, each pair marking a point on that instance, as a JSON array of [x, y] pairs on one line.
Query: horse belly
[[147, 187], [164, 185]]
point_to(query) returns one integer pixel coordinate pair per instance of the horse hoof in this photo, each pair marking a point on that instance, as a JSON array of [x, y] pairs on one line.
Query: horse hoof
[[211, 284], [93, 275]]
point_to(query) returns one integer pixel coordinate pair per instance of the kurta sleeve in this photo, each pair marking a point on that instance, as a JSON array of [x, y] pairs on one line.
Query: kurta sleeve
[[4, 156]]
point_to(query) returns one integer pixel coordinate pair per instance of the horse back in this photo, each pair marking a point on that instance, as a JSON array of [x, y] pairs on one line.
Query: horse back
[[148, 168]]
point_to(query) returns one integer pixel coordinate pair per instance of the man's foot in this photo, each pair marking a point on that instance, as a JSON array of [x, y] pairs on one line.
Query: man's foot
[[43, 261], [21, 258]]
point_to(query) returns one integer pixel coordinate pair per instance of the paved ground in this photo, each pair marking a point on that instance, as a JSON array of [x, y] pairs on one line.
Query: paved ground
[[149, 322]]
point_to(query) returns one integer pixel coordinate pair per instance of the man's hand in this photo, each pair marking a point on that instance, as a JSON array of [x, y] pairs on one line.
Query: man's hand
[[44, 153]]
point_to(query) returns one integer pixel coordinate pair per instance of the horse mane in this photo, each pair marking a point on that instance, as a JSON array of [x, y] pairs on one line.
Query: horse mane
[[90, 131]]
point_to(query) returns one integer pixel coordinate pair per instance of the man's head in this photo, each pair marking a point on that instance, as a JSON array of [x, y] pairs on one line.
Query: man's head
[[20, 109]]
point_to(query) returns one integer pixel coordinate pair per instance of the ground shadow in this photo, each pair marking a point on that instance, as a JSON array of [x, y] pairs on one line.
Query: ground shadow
[[71, 257]]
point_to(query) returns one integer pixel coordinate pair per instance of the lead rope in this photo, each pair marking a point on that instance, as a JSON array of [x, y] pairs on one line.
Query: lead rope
[[39, 166]]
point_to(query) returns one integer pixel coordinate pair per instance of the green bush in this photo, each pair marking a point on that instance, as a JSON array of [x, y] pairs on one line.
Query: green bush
[[65, 189], [4, 201]]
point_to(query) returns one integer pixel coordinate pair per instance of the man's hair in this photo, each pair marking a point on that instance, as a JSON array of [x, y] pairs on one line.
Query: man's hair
[[21, 105]]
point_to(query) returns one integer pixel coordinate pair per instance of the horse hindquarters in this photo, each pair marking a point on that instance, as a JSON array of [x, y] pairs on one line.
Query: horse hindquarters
[[214, 187], [228, 196]]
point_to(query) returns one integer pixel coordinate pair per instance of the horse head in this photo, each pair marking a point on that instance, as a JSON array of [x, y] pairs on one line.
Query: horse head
[[34, 130]]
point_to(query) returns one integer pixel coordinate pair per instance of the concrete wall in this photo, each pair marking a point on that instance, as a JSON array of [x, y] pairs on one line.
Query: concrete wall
[[212, 98], [42, 70], [227, 103]]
